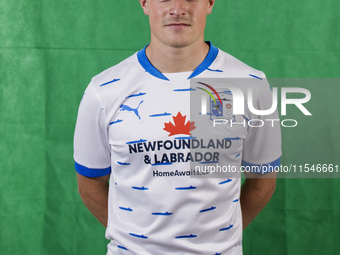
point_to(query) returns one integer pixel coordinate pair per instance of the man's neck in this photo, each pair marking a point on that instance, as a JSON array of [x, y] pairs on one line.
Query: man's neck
[[172, 60]]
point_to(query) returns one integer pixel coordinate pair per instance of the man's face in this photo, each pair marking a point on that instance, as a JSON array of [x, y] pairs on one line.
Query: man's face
[[177, 23]]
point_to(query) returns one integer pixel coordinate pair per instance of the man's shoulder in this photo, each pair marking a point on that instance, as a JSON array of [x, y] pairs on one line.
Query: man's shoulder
[[235, 67], [114, 73]]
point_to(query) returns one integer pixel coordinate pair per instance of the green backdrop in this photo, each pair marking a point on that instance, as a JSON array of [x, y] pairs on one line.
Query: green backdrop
[[49, 50]]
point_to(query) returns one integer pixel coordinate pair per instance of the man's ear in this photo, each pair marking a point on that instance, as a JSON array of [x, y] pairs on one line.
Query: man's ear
[[144, 4], [210, 6]]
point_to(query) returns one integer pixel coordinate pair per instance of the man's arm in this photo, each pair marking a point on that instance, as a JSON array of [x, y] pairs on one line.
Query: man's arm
[[256, 192], [94, 193]]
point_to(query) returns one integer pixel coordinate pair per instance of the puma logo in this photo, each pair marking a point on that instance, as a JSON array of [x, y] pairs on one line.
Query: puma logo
[[124, 107]]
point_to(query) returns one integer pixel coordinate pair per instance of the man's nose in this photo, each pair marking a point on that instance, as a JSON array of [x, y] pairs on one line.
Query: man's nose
[[178, 7]]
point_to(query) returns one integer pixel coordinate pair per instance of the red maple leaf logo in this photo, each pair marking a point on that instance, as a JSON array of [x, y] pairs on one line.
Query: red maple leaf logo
[[180, 126]]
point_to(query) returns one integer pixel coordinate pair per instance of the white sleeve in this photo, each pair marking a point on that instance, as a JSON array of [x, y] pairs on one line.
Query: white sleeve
[[262, 146], [91, 146]]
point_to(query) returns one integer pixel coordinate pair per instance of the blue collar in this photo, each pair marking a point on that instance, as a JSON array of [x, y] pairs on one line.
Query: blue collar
[[146, 64]]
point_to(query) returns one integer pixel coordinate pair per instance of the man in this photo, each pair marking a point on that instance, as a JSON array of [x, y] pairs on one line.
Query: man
[[129, 118]]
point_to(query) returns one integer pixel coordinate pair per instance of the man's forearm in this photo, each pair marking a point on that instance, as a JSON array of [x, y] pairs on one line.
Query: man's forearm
[[255, 194], [94, 193]]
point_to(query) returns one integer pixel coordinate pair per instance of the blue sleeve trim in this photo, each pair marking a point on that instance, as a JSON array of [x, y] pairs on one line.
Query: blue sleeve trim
[[91, 172], [209, 59], [262, 168]]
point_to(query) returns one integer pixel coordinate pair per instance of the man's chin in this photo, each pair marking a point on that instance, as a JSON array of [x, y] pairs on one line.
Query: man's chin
[[179, 43]]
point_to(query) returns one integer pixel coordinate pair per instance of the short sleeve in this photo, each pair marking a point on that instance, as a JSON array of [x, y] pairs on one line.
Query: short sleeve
[[262, 146], [91, 146]]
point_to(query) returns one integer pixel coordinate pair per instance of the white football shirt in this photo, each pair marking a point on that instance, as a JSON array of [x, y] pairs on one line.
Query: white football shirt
[[134, 123]]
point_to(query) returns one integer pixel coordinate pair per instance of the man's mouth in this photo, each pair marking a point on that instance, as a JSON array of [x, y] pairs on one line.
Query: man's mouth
[[177, 25]]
